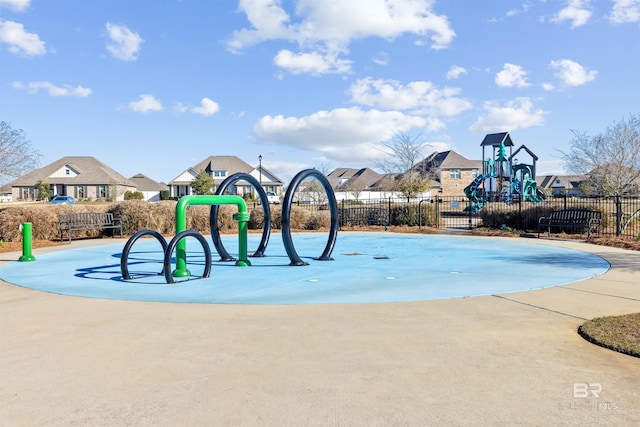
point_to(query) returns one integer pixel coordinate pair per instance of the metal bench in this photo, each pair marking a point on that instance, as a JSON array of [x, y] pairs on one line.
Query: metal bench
[[572, 220], [88, 221]]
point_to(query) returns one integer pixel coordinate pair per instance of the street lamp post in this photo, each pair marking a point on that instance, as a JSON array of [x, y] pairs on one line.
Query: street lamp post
[[260, 161]]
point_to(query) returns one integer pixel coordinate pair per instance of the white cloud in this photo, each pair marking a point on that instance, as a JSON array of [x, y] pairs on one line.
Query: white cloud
[[146, 104], [525, 7], [312, 63], [124, 43], [382, 58], [320, 28], [548, 86], [577, 12], [269, 22], [343, 134], [20, 41], [53, 90], [571, 73], [625, 11], [516, 114], [550, 167], [455, 72], [207, 107], [15, 5], [419, 95], [512, 76]]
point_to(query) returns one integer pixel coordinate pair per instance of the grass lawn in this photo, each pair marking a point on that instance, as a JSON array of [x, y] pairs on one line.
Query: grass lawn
[[618, 333]]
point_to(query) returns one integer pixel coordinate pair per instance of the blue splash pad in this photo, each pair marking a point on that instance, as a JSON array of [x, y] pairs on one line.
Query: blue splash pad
[[367, 268]]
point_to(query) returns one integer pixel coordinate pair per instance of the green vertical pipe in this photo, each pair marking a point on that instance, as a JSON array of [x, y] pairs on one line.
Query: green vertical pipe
[[26, 229], [243, 226], [181, 224]]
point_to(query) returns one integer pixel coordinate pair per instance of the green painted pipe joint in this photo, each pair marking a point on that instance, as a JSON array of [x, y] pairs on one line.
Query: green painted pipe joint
[[242, 216]]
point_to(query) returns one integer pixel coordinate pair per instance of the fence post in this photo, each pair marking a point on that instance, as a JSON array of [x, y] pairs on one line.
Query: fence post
[[389, 212], [565, 201], [618, 215], [520, 213]]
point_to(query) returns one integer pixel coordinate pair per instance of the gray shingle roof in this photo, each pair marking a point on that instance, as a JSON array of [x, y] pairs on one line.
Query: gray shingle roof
[[228, 163], [90, 172], [144, 183], [362, 179], [447, 160]]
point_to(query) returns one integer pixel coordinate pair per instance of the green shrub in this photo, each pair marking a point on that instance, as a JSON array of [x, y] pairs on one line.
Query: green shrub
[[133, 195], [409, 215]]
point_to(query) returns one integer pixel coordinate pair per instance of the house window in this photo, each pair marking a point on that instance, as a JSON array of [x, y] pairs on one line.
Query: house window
[[82, 192], [474, 173], [220, 174], [454, 173], [67, 172], [103, 191], [28, 193]]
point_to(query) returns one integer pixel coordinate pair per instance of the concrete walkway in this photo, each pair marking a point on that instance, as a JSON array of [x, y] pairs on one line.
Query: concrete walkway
[[512, 359]]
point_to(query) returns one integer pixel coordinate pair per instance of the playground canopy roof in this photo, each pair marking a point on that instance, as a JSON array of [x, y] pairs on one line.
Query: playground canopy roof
[[494, 140], [524, 147]]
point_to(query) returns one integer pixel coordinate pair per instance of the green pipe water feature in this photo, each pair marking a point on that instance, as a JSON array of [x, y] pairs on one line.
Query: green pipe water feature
[[242, 216], [26, 230]]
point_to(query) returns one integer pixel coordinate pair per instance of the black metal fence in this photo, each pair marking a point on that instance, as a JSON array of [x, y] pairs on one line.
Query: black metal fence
[[621, 215]]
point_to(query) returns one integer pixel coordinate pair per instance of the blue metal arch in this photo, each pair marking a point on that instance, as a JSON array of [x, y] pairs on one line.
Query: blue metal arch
[[171, 247], [286, 216], [124, 258]]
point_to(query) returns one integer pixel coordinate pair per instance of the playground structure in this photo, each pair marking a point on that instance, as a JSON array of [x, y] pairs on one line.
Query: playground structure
[[178, 243], [503, 178]]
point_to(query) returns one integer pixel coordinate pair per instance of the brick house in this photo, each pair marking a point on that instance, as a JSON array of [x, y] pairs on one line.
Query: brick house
[[451, 172]]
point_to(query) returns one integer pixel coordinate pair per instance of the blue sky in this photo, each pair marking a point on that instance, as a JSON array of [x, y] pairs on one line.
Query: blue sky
[[156, 86]]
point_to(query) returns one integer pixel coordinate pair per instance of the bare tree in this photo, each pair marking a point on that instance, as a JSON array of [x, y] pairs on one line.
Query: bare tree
[[610, 159], [406, 151], [17, 156], [312, 189]]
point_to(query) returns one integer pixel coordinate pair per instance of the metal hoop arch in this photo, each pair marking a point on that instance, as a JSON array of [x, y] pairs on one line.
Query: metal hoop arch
[[124, 259], [172, 246], [266, 209], [286, 216]]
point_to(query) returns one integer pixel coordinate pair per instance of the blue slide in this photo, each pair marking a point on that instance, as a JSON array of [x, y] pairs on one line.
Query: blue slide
[[470, 192]]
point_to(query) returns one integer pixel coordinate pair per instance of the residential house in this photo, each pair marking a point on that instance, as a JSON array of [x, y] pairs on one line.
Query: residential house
[[149, 188], [83, 177], [221, 167], [561, 185], [5, 194], [451, 172], [355, 184]]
